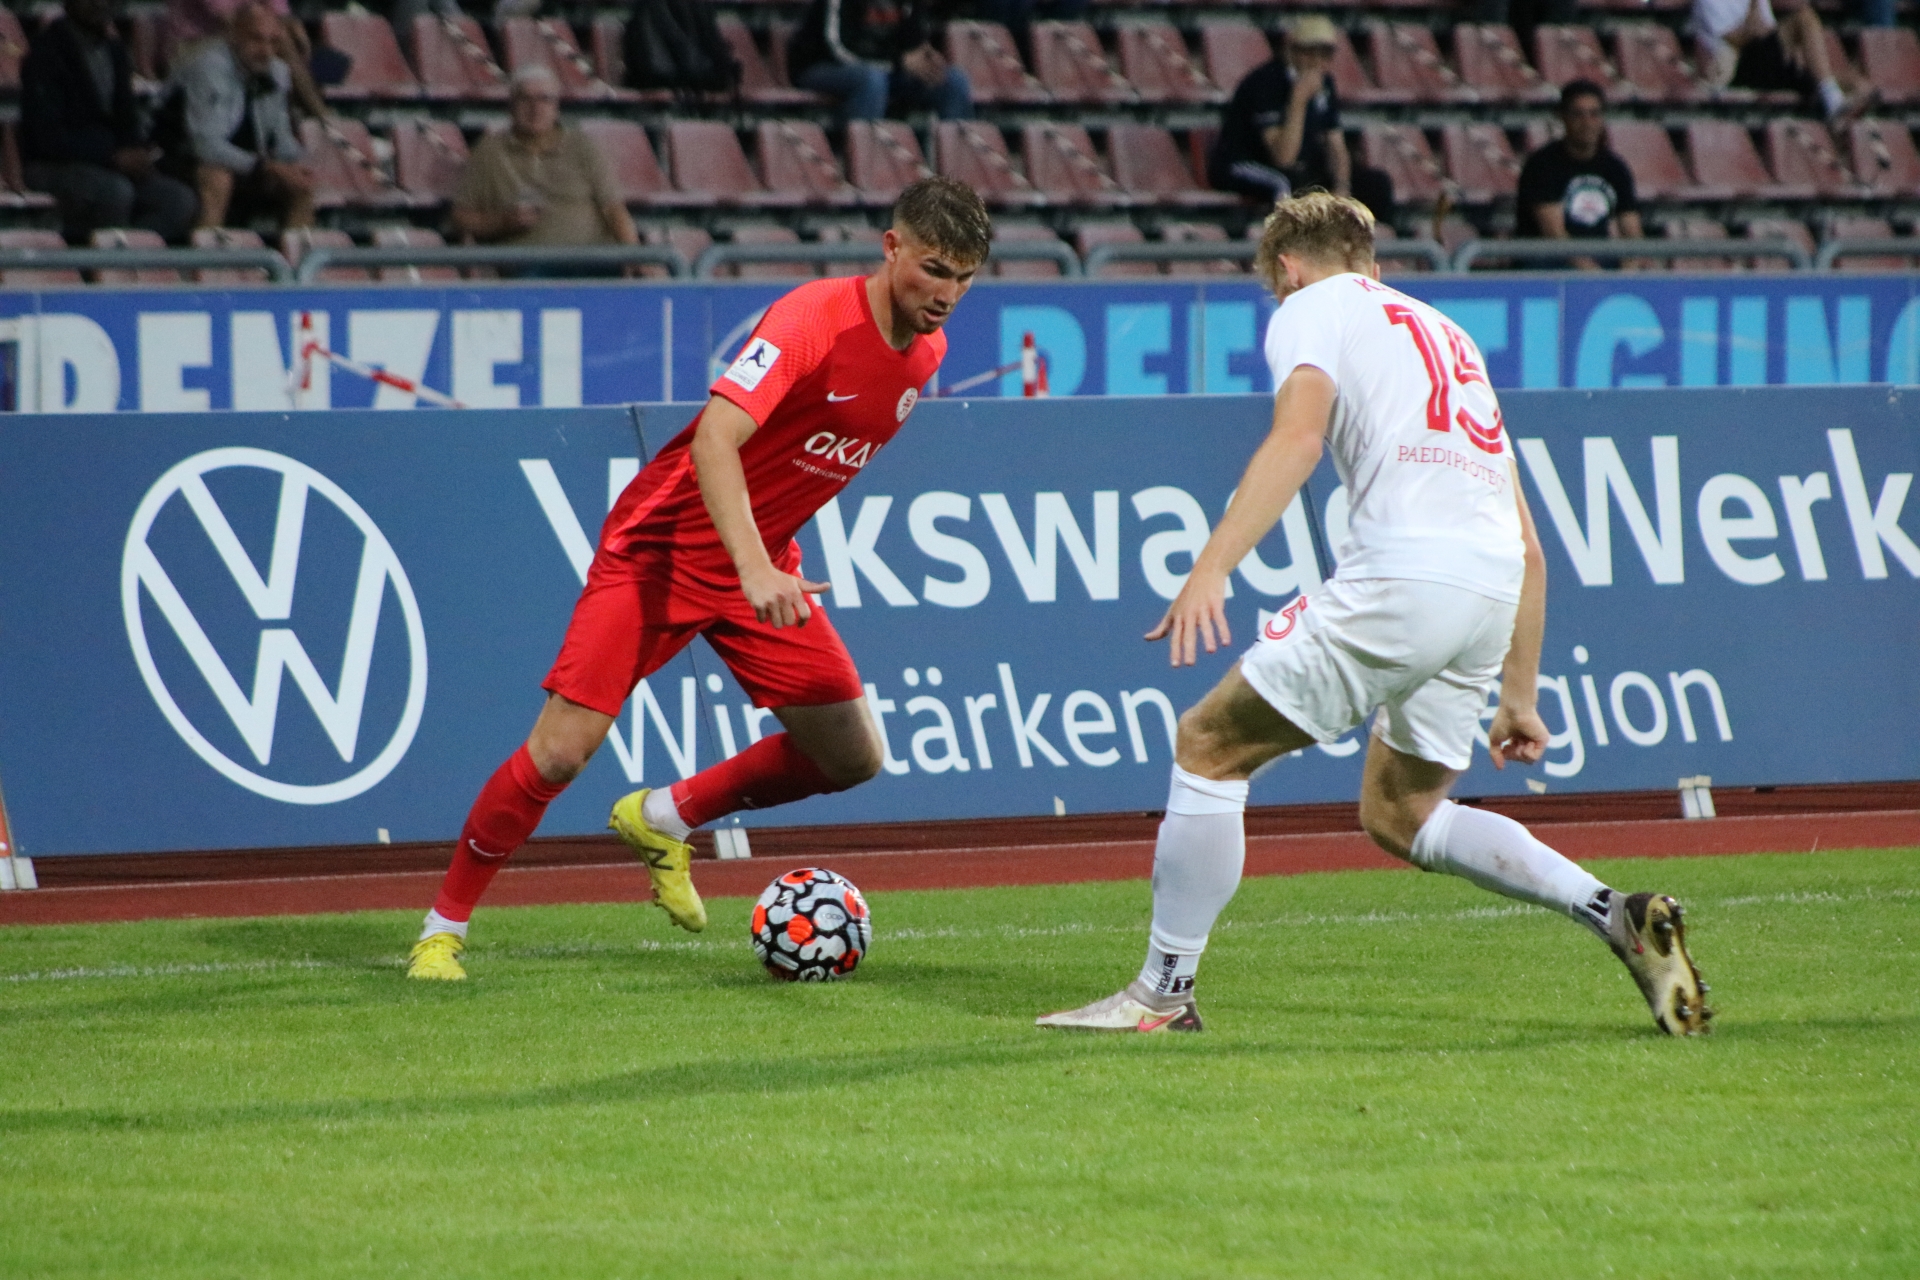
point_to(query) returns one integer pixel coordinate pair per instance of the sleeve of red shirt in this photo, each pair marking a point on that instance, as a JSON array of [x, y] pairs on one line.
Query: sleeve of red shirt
[[790, 342]]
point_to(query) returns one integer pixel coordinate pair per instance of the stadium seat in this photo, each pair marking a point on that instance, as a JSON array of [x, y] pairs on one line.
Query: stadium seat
[[1231, 49], [17, 277], [1726, 166], [986, 52], [1885, 159], [757, 82], [1402, 151], [1650, 60], [428, 158], [1155, 61], [974, 152], [1071, 66], [690, 241], [1649, 154], [1802, 157], [707, 161], [1491, 63], [1194, 233], [1890, 57], [1565, 53], [796, 159], [1350, 78], [884, 159], [13, 49], [1090, 235], [1779, 229], [295, 243], [779, 40], [1855, 227], [607, 43], [377, 69], [765, 233], [340, 155], [131, 238], [1026, 268], [850, 233], [399, 237], [1481, 161], [13, 192], [636, 171], [1063, 166], [1148, 167], [142, 25], [550, 43], [452, 59], [1406, 61], [1695, 227], [228, 238]]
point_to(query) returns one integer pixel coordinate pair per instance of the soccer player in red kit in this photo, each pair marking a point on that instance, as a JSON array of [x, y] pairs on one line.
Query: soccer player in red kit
[[701, 543]]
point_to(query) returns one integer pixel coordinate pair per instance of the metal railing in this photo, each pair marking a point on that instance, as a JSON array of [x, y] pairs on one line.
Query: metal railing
[[505, 257], [707, 266], [1100, 255], [148, 259], [1865, 246], [1558, 251]]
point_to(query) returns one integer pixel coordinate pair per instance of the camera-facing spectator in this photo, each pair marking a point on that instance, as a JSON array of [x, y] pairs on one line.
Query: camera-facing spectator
[[539, 182], [1577, 188], [81, 137], [1742, 44], [194, 25], [875, 56], [1280, 133], [231, 132]]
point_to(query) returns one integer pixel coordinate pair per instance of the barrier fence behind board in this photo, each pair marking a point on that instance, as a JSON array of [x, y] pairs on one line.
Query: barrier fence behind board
[[294, 629]]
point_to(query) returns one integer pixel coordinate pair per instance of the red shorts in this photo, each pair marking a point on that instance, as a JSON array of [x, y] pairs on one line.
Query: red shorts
[[635, 615]]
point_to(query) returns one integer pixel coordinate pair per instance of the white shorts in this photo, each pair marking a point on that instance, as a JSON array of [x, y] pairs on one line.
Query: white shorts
[[1426, 654]]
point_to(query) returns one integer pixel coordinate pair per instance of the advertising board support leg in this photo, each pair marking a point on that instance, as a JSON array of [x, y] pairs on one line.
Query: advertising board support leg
[[16, 871]]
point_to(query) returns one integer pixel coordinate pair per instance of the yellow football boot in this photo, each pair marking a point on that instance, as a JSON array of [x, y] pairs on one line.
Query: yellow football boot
[[437, 957], [667, 862]]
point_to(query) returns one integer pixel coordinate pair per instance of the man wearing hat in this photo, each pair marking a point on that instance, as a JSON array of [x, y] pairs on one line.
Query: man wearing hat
[[1281, 132]]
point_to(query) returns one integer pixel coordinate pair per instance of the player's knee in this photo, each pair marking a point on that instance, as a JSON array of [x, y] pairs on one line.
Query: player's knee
[[1195, 744], [559, 761], [859, 762], [1386, 823]]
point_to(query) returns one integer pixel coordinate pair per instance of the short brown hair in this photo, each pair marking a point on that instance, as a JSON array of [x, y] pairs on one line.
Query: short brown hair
[[947, 216], [1317, 225]]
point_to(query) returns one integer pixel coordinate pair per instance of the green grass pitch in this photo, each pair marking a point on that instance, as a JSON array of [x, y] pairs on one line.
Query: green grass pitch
[[1401, 1076]]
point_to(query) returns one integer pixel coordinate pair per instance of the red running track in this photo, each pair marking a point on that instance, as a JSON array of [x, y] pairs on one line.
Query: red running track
[[944, 869]]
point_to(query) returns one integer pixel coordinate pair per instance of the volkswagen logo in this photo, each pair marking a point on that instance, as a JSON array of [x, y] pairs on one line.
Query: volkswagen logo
[[253, 707]]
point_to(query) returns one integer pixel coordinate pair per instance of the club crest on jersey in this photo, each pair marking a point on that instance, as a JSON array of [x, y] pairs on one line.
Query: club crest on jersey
[[908, 398], [1280, 625], [848, 451], [752, 364]]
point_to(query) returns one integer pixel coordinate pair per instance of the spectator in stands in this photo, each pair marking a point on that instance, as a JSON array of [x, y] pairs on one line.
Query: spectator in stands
[[81, 136], [193, 25], [539, 182], [1577, 188], [875, 56], [232, 128], [1742, 45], [1281, 131]]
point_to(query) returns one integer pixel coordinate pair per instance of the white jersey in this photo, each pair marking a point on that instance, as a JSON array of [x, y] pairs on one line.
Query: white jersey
[[1416, 435]]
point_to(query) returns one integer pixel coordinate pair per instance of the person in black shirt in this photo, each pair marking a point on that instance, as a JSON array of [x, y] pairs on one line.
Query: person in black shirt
[[1281, 132], [876, 55], [1577, 188]]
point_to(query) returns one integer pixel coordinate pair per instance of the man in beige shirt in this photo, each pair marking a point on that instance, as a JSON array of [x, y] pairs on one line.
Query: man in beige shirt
[[539, 182]]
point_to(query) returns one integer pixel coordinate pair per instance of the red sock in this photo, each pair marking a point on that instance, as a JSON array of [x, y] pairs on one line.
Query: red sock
[[509, 808], [772, 771]]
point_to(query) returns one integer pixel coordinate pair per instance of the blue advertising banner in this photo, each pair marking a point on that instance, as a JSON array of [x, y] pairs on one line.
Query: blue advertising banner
[[563, 346], [232, 630]]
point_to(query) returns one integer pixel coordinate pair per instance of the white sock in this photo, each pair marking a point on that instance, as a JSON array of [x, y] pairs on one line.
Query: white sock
[[1831, 97], [437, 923], [1196, 867], [663, 815], [1499, 854]]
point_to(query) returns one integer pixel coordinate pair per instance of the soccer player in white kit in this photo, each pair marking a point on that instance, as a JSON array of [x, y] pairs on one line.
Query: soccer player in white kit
[[1440, 592]]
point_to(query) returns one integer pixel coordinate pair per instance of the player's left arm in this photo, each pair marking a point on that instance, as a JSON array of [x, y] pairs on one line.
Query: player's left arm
[[1517, 732], [777, 597], [1279, 467]]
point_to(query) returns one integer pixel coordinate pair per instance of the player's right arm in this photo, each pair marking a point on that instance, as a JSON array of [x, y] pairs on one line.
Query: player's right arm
[[777, 597], [1279, 467], [1517, 732]]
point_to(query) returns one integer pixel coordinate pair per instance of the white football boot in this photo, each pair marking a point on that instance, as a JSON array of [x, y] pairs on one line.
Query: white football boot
[[1135, 1009], [1646, 932]]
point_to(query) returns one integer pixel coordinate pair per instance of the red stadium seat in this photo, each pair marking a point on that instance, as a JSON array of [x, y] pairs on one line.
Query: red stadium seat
[[851, 233], [1155, 61], [636, 172], [761, 233], [428, 158], [690, 241], [1481, 161], [131, 238], [1090, 235], [1890, 56], [974, 152], [228, 238], [411, 238], [377, 70], [13, 50], [1350, 78], [1025, 268], [1725, 164], [17, 277], [1649, 154], [346, 171], [1407, 62], [1565, 53], [1148, 167], [707, 161], [1491, 63], [549, 43], [757, 82], [1198, 233], [1069, 63], [986, 52], [1063, 166], [884, 158], [452, 58], [1231, 49], [1651, 61], [795, 158], [1885, 159], [1779, 229], [1402, 151], [1695, 227], [1802, 157], [294, 245], [1855, 227], [607, 43]]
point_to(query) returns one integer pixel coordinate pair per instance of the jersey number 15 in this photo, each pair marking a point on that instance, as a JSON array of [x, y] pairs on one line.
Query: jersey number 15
[[1443, 375]]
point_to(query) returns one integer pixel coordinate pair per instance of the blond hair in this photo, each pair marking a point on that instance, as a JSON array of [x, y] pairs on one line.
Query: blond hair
[[1317, 225]]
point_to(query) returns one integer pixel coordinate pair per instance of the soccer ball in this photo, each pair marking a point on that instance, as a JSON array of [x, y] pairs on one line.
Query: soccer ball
[[811, 925]]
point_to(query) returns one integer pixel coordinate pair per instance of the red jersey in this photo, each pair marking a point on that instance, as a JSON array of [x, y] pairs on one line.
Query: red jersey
[[827, 392]]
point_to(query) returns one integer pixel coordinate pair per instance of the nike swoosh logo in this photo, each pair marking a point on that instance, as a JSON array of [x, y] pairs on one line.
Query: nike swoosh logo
[[834, 399], [1154, 1024]]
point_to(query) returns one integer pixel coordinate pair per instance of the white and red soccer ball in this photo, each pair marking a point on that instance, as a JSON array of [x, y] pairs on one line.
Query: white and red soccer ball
[[811, 925]]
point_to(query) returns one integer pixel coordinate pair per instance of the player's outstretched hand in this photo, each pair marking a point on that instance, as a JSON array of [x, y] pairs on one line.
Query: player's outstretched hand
[[780, 598], [1198, 612], [1519, 736]]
